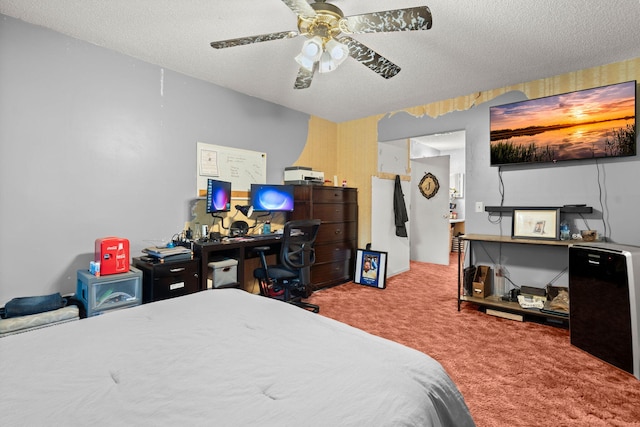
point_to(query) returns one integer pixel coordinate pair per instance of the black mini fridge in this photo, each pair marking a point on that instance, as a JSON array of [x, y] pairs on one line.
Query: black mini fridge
[[604, 298]]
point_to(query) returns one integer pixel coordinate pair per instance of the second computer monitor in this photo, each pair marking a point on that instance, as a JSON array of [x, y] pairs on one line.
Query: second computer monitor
[[271, 197]]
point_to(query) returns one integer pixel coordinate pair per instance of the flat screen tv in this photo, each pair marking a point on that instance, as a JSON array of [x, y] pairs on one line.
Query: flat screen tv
[[218, 196], [586, 124], [271, 198]]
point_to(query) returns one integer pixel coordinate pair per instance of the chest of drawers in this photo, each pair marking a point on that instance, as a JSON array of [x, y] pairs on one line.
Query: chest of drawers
[[167, 280], [337, 208]]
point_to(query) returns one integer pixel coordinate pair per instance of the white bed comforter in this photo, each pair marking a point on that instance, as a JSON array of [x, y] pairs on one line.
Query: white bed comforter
[[220, 358]]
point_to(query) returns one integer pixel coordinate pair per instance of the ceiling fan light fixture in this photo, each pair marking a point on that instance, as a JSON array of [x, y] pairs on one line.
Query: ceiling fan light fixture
[[312, 48], [337, 50], [311, 51], [334, 54], [324, 24], [305, 62], [327, 63]]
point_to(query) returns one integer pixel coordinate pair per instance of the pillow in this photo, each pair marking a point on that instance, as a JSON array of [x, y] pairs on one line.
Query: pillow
[[32, 305]]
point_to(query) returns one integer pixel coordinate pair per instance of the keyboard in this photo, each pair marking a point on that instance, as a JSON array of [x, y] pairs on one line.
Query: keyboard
[[266, 236]]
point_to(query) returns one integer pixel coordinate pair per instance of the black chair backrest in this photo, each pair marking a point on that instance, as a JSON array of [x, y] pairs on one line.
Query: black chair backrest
[[297, 251]]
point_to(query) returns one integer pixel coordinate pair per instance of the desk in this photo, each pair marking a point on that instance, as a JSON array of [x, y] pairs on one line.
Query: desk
[[240, 249]]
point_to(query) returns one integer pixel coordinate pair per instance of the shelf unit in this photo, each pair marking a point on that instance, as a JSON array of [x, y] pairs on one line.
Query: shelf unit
[[497, 303], [563, 209]]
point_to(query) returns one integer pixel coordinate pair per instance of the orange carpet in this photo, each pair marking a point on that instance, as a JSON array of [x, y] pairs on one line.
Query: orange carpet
[[510, 373]]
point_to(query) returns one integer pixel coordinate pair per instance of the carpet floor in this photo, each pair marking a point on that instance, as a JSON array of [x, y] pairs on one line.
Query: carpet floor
[[510, 373]]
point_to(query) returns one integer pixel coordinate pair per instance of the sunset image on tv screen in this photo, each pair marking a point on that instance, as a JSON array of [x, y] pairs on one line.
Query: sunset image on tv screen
[[592, 123]]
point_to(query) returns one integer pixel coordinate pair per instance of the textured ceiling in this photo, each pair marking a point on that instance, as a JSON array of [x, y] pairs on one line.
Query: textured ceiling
[[473, 45]]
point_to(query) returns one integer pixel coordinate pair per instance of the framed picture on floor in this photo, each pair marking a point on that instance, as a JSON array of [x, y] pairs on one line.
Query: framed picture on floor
[[371, 268], [536, 223]]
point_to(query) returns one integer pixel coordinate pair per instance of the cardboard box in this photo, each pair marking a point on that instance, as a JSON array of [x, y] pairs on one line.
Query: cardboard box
[[481, 287]]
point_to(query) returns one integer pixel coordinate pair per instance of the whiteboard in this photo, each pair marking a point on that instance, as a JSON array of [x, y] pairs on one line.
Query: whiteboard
[[240, 167]]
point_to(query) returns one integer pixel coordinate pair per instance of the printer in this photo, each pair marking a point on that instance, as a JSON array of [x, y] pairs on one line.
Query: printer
[[302, 175]]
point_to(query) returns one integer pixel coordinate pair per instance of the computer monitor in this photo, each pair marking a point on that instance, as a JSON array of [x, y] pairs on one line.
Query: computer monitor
[[218, 196], [271, 198]]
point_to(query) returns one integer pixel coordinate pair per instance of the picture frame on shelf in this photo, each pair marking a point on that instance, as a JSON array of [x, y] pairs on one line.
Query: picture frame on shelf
[[536, 223], [371, 268]]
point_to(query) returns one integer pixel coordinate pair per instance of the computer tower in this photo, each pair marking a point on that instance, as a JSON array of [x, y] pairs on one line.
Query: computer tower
[[604, 298]]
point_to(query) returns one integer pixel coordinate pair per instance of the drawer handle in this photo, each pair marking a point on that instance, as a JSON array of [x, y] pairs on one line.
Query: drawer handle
[[338, 231], [175, 286], [177, 270]]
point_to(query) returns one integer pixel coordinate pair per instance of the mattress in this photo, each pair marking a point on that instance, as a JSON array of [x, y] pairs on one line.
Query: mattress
[[16, 325], [220, 357]]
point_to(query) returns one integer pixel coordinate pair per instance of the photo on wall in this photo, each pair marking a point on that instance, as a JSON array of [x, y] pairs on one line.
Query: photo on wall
[[371, 268]]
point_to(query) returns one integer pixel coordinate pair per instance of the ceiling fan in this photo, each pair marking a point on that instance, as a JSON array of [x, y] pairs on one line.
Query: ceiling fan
[[328, 42]]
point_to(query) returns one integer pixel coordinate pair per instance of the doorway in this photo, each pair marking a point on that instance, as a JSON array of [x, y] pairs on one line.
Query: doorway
[[432, 219], [429, 212]]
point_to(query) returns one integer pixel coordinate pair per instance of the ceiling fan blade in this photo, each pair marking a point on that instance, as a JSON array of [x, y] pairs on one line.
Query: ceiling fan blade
[[409, 19], [368, 57], [253, 39], [304, 78], [300, 7]]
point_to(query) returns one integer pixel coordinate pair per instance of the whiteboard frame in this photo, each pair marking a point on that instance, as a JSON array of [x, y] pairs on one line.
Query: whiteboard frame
[[239, 166]]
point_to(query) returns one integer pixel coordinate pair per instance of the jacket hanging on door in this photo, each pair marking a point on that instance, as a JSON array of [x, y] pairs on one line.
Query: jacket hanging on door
[[399, 209]]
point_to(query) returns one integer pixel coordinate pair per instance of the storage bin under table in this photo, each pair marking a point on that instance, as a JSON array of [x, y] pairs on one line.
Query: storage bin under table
[[223, 274], [101, 294]]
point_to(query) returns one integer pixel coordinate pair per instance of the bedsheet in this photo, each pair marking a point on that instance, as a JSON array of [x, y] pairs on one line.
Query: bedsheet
[[220, 358]]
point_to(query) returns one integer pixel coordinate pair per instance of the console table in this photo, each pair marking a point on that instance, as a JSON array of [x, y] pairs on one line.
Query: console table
[[496, 303]]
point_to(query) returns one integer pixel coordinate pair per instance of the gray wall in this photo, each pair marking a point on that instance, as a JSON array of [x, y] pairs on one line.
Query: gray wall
[[551, 185], [94, 143]]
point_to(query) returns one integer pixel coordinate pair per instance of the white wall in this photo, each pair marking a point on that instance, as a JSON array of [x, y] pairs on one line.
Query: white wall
[[94, 143], [393, 158], [383, 233]]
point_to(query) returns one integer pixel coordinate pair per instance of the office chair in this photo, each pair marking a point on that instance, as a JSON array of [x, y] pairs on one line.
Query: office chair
[[296, 257]]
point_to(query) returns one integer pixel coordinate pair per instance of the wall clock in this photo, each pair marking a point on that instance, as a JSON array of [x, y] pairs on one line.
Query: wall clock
[[429, 185]]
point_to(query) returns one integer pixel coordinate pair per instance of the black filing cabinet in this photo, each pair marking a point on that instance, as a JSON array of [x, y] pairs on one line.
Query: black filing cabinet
[[168, 279]]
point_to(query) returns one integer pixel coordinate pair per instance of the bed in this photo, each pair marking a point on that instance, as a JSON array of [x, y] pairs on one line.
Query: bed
[[220, 357]]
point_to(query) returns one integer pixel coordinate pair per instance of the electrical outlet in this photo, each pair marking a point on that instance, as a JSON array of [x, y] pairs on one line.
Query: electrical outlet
[[479, 207]]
